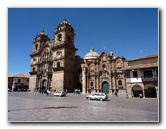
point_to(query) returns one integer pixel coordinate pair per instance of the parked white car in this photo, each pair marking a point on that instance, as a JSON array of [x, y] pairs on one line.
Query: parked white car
[[59, 93], [76, 91], [97, 96]]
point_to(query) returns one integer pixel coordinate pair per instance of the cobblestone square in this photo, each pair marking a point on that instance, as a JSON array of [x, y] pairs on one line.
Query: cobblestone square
[[37, 107]]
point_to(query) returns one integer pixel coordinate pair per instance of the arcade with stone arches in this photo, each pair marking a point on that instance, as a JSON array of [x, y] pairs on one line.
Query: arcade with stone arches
[[147, 91]]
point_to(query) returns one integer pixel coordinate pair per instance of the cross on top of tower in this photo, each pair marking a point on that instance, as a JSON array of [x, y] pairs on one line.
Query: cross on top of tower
[[65, 21], [104, 48]]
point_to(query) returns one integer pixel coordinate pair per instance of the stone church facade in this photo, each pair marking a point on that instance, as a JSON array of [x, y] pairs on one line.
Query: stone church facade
[[55, 66], [103, 73]]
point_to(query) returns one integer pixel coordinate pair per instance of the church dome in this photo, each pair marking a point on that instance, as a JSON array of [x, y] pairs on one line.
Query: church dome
[[92, 54]]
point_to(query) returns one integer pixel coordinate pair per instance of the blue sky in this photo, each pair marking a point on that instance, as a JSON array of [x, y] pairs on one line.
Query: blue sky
[[128, 32]]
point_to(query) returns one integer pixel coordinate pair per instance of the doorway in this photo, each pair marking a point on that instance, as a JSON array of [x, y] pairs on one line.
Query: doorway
[[150, 91], [44, 84], [137, 89], [79, 86], [105, 87]]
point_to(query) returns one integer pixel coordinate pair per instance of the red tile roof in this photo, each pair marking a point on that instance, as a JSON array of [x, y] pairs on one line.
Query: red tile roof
[[144, 57], [141, 66], [20, 75]]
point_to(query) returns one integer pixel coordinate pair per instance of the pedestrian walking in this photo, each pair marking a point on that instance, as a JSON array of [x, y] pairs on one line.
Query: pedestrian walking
[[116, 93], [140, 95], [42, 91], [47, 92], [127, 95]]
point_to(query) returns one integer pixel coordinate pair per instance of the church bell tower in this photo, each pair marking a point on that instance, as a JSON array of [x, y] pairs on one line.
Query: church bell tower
[[64, 59], [64, 34]]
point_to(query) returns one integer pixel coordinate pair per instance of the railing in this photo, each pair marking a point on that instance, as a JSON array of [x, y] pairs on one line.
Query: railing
[[149, 78], [142, 79], [134, 80]]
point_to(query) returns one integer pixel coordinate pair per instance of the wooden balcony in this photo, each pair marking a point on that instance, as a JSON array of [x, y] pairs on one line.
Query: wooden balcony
[[149, 78]]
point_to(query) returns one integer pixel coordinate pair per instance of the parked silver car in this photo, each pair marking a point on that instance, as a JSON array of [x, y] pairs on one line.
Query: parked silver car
[[59, 93], [97, 96], [76, 91]]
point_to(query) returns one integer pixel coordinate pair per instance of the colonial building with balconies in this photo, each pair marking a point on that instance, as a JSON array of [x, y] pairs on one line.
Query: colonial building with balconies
[[18, 82], [142, 76]]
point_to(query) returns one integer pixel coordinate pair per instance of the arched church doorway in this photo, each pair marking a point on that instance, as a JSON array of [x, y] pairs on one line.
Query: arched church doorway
[[150, 91], [44, 84], [137, 89], [105, 87], [79, 86]]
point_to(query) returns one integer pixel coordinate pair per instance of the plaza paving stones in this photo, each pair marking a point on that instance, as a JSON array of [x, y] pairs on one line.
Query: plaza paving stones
[[37, 107]]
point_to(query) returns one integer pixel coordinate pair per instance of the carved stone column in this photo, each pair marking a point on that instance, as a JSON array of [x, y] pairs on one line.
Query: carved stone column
[[143, 91], [84, 82], [156, 91], [113, 80]]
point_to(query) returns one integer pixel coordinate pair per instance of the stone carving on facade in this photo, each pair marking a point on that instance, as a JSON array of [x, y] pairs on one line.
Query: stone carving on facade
[[92, 67], [118, 63], [33, 61], [106, 70], [120, 76], [104, 58], [104, 75]]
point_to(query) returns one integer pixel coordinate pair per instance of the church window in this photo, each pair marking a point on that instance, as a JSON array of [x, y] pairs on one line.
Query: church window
[[33, 69], [34, 59], [36, 46], [147, 73], [127, 74], [44, 66], [68, 39], [60, 37], [91, 84], [157, 72], [58, 64], [58, 52], [135, 74], [119, 82], [104, 67]]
